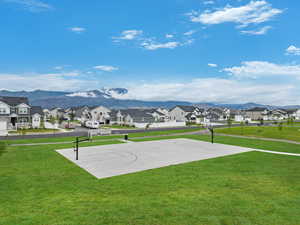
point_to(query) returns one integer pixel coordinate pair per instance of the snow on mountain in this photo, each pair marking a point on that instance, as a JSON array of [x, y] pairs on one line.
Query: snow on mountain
[[103, 93], [83, 94]]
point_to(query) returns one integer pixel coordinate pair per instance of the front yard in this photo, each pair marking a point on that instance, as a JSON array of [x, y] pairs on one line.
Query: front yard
[[32, 131]]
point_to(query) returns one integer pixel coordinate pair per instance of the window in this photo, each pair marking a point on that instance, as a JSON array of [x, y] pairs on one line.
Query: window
[[3, 111], [23, 110], [23, 120]]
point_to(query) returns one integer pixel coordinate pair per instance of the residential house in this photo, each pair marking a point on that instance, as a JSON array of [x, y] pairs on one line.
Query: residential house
[[217, 114], [293, 113], [15, 112], [100, 114], [239, 116], [57, 113], [82, 113], [37, 115], [276, 114], [256, 113], [47, 114], [132, 117], [185, 113]]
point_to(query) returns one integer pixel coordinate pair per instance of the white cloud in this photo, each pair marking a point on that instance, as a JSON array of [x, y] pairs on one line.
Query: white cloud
[[77, 29], [129, 35], [208, 2], [189, 33], [212, 65], [150, 45], [197, 90], [55, 81], [293, 50], [106, 68], [154, 43], [71, 74], [32, 5], [215, 90], [169, 36], [58, 68], [255, 12], [255, 69], [261, 31]]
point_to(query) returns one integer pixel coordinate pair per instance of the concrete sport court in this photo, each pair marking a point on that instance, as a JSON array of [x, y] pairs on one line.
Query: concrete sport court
[[113, 160]]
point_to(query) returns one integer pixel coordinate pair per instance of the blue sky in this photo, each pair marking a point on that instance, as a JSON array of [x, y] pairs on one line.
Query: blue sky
[[228, 51]]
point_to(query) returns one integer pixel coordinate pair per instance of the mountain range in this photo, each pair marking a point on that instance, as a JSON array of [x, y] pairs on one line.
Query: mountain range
[[111, 98]]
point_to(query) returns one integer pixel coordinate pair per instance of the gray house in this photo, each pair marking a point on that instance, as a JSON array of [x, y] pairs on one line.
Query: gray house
[[185, 113], [132, 117], [257, 113], [15, 112]]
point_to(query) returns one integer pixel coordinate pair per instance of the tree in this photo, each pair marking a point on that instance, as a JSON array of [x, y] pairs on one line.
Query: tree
[[60, 120], [229, 122], [280, 126], [292, 119], [52, 120], [23, 131], [242, 127], [261, 121], [72, 115]]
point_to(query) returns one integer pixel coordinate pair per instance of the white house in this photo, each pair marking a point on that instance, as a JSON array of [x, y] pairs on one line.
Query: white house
[[36, 116], [15, 113], [100, 114]]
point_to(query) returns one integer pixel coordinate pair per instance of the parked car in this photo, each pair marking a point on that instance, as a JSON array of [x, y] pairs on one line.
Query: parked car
[[92, 124]]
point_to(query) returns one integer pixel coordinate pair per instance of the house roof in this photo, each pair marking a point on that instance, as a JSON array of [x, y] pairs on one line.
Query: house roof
[[186, 108], [257, 109], [216, 111], [136, 112], [14, 101], [290, 110], [36, 110]]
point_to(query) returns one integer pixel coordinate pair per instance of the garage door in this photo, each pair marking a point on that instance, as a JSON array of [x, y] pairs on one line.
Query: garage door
[[3, 128]]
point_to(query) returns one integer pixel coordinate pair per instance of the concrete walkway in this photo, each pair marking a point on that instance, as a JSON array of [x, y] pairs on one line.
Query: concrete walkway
[[278, 153]]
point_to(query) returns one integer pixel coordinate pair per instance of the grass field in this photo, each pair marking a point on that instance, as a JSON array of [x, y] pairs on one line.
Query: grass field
[[244, 142], [55, 139], [288, 133], [38, 186], [32, 131], [116, 126]]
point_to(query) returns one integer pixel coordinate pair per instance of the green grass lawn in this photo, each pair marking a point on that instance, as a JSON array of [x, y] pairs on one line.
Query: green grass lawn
[[288, 133], [27, 131], [116, 126], [39, 186], [55, 139], [244, 142]]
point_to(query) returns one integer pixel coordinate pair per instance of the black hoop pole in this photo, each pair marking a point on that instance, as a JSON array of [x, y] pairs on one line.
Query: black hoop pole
[[211, 129], [77, 145]]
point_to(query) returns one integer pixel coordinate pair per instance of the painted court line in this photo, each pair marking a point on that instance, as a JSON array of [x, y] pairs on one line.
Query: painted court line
[[278, 153]]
